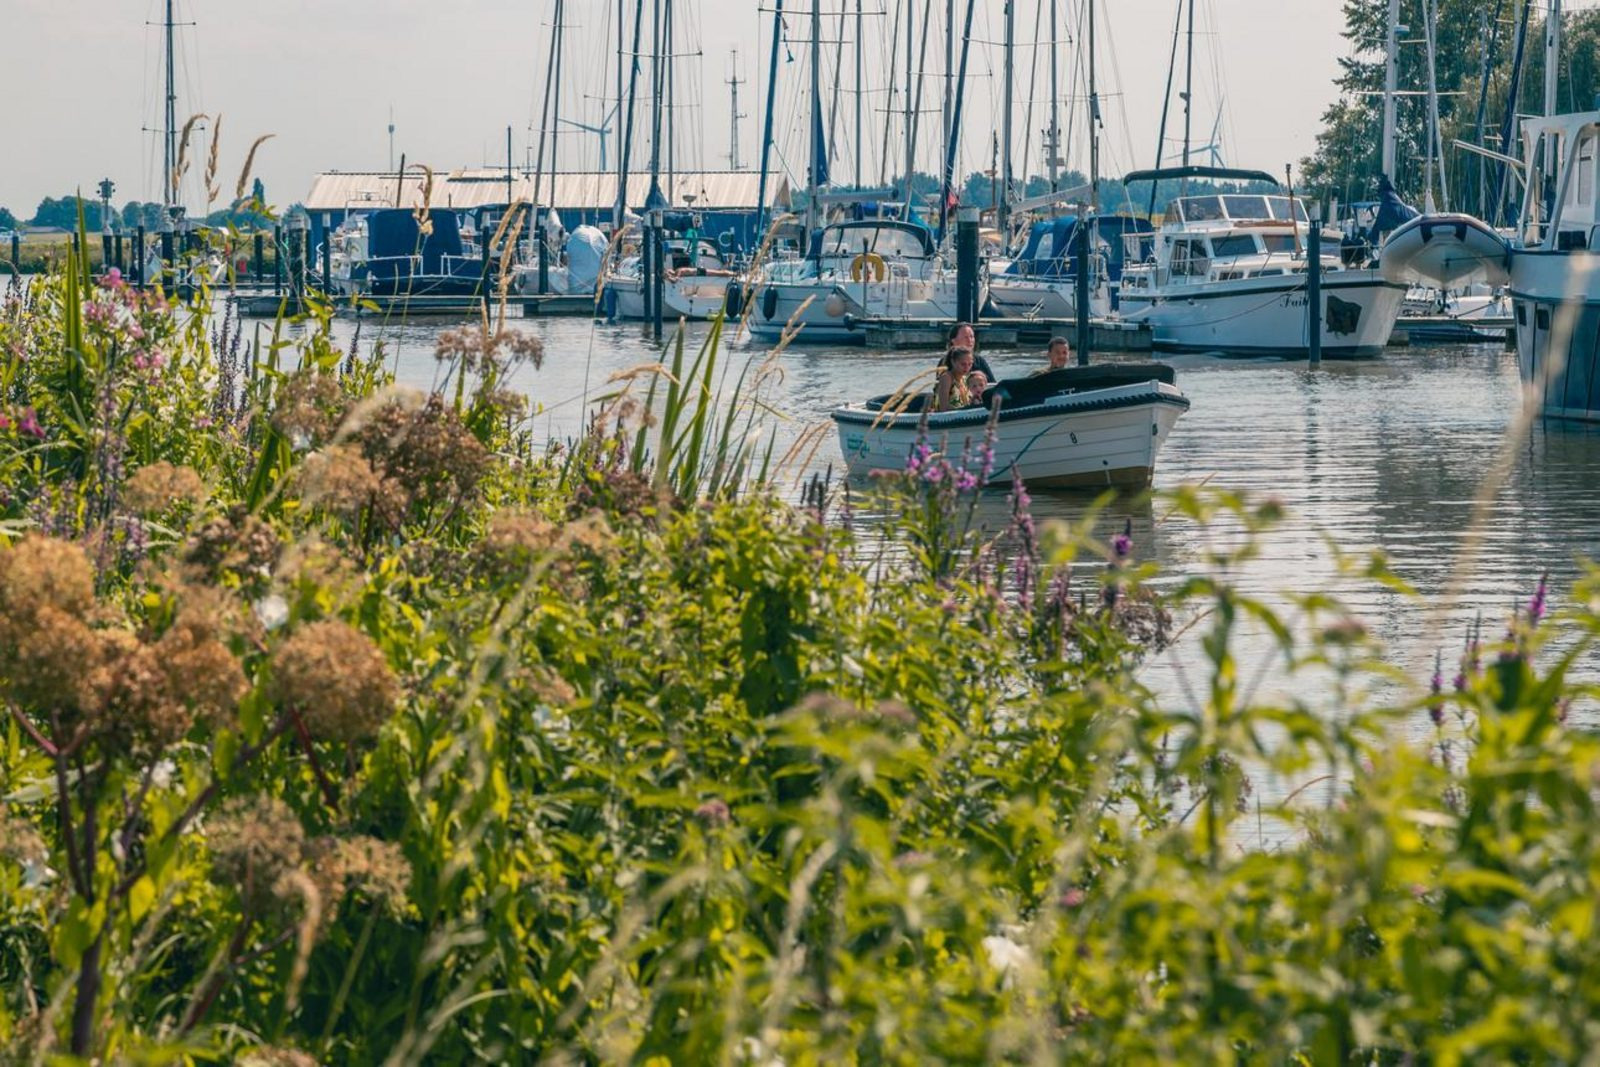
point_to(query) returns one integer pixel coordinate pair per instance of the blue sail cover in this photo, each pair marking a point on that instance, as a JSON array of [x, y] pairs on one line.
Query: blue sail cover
[[1392, 211], [1051, 244], [819, 151], [401, 259]]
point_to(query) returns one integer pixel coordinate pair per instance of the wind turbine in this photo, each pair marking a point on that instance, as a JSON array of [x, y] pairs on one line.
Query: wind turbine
[[1215, 147], [602, 131]]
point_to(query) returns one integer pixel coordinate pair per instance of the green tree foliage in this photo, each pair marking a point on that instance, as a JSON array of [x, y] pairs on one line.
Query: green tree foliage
[[148, 214], [63, 213], [1471, 35], [8, 221]]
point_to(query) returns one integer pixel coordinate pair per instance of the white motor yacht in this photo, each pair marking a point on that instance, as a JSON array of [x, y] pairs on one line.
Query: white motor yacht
[[1227, 273]]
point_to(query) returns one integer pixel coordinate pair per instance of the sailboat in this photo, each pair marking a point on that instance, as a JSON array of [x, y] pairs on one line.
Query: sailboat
[[869, 266]]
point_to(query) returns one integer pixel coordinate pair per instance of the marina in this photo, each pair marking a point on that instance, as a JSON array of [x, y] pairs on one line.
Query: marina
[[817, 531]]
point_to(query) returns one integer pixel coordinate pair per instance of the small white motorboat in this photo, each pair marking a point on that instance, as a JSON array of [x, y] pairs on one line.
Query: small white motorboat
[[1078, 427], [1445, 251]]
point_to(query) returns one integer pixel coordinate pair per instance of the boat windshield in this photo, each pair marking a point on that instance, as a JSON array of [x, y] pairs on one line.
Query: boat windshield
[[1280, 209], [1201, 208], [1247, 207], [886, 241]]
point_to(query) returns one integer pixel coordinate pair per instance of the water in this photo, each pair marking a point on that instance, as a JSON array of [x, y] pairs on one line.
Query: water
[[1386, 454]]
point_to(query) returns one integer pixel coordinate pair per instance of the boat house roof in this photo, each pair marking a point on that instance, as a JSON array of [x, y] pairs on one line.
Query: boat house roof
[[483, 187]]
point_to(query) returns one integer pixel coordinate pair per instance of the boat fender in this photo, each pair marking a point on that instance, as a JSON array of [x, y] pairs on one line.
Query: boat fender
[[733, 300], [769, 304], [608, 301], [834, 305], [865, 260]]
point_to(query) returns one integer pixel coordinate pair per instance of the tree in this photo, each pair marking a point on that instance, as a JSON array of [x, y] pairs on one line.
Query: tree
[[8, 221], [62, 212], [1471, 37]]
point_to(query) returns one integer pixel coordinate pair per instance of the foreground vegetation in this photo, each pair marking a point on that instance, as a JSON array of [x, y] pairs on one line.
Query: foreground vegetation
[[346, 726]]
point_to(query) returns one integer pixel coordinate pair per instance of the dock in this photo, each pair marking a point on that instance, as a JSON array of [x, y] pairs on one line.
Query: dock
[[270, 305], [1450, 329], [1106, 335]]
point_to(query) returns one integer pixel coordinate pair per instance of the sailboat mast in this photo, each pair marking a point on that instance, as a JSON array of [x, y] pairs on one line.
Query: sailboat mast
[[1188, 85], [911, 74], [626, 152], [1094, 123], [1391, 82], [1055, 107], [817, 147], [1003, 208], [1552, 58], [766, 125], [655, 99], [169, 180], [669, 102], [555, 106], [860, 24], [1435, 141]]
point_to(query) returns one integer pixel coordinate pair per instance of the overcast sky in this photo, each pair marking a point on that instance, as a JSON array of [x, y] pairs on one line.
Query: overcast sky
[[84, 86]]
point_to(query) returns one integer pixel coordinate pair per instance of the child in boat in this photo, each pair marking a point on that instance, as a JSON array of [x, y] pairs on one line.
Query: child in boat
[[958, 385]]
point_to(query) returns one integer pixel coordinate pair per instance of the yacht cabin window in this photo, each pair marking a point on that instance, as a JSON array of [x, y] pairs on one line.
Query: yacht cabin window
[[1278, 242], [1581, 189], [1189, 258], [1201, 208], [1233, 245], [1246, 207]]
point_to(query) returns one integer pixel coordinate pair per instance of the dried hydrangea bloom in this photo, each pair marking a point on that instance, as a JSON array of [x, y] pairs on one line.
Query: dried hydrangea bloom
[[201, 673], [273, 1056], [255, 842], [43, 661], [158, 486], [20, 842], [309, 408], [239, 543], [39, 572], [376, 869], [340, 480], [479, 351], [429, 452], [335, 679]]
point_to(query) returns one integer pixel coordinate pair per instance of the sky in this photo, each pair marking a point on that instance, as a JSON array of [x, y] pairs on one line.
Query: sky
[[84, 85]]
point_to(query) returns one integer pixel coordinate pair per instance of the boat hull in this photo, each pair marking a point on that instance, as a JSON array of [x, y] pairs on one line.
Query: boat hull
[[1556, 297], [1267, 316], [1033, 298], [1104, 438], [1445, 252], [833, 307], [694, 297]]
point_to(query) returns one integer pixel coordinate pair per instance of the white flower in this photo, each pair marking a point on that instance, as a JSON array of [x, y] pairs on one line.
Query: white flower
[[1005, 956], [273, 611]]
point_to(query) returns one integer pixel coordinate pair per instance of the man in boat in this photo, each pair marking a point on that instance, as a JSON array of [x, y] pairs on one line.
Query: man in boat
[[1058, 355]]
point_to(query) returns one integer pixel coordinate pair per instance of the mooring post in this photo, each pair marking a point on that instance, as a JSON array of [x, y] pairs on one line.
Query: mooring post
[[260, 255], [543, 237], [16, 251], [117, 248], [1080, 287], [967, 264], [1314, 285], [327, 263], [297, 259], [108, 257], [138, 256], [166, 251], [658, 284], [277, 259]]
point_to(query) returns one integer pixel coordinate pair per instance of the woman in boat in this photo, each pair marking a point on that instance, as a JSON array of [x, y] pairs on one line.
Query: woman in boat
[[963, 335], [958, 385]]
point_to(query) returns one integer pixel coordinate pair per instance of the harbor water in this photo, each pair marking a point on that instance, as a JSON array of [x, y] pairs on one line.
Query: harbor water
[[1388, 454]]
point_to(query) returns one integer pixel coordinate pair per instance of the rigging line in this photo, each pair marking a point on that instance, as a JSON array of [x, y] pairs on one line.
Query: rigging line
[[1033, 85], [889, 111], [916, 112]]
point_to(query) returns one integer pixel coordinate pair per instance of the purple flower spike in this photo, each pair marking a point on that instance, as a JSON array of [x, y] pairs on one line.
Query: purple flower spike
[[1122, 544], [1536, 606], [1435, 687]]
